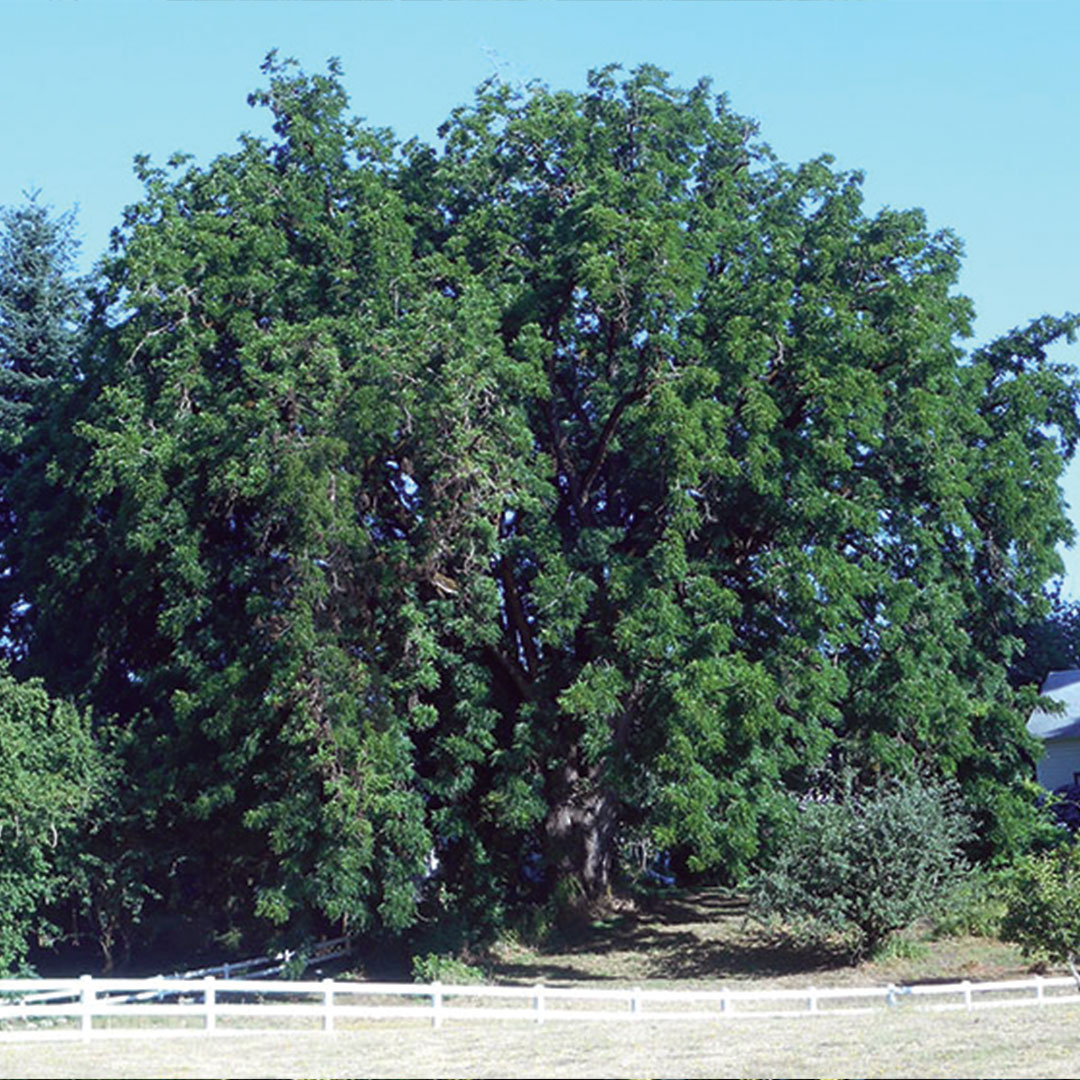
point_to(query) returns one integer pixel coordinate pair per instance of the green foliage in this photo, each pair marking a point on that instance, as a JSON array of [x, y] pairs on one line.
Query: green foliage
[[1050, 644], [1043, 906], [52, 778], [42, 322], [445, 968], [40, 314], [594, 475], [281, 465], [975, 905], [866, 861]]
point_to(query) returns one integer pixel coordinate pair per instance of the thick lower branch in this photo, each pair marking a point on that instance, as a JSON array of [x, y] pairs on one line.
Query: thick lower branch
[[605, 441], [513, 671]]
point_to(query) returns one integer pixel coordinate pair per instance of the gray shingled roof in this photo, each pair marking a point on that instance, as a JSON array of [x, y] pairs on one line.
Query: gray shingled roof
[[1063, 686]]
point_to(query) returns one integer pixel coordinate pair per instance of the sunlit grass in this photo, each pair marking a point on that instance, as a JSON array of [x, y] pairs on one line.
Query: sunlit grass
[[1020, 1042]]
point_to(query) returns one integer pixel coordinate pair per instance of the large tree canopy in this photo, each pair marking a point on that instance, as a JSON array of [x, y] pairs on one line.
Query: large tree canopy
[[593, 477], [786, 512]]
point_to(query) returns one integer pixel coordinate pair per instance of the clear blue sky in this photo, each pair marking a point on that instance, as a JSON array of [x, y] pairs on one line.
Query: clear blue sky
[[968, 109]]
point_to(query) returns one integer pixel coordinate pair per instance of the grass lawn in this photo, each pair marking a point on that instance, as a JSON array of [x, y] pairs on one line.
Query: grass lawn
[[1009, 1042]]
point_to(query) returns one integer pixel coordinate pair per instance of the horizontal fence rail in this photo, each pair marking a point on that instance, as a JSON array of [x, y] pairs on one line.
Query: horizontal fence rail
[[260, 967], [91, 1006]]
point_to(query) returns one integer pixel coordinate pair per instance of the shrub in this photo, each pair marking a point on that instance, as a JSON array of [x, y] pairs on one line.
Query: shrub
[[52, 776], [864, 861], [974, 905], [1043, 907], [442, 967]]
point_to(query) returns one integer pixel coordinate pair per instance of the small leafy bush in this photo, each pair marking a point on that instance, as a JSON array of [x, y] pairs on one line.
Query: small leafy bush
[[445, 968], [975, 905], [53, 780], [862, 861], [1043, 908]]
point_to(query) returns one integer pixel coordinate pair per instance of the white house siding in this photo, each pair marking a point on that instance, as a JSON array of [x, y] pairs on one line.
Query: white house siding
[[1060, 764], [1058, 730]]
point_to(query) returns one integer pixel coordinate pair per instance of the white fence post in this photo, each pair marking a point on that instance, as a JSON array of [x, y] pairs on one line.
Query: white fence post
[[328, 1005], [811, 1001], [210, 1002], [436, 1004], [86, 995], [635, 1002], [1039, 989], [538, 1000], [967, 993]]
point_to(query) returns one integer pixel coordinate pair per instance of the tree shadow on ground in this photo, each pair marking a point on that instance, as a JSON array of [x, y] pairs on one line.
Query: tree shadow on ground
[[550, 974], [705, 934], [761, 956]]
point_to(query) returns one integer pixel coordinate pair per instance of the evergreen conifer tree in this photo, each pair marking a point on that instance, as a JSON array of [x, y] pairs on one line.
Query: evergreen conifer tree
[[39, 312]]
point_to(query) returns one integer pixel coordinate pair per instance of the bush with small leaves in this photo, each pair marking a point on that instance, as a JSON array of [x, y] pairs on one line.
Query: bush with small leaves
[[442, 967], [862, 861], [52, 774], [1043, 912]]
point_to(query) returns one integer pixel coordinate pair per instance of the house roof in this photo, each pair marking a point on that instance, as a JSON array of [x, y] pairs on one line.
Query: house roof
[[1063, 686]]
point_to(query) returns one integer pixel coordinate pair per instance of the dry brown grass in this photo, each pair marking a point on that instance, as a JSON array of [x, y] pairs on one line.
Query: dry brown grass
[[1016, 1042]]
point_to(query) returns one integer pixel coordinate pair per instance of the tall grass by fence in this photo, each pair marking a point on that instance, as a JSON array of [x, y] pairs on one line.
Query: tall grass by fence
[[88, 1006]]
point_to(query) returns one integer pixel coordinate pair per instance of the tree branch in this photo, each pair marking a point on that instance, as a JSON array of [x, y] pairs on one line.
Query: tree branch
[[605, 441], [516, 612], [512, 670]]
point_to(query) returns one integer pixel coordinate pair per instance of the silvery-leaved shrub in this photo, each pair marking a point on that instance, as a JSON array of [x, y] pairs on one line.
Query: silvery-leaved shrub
[[862, 860]]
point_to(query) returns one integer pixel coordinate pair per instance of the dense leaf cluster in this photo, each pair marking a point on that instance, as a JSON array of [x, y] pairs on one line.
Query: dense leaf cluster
[[53, 786], [40, 314], [428, 523], [865, 861], [1043, 913]]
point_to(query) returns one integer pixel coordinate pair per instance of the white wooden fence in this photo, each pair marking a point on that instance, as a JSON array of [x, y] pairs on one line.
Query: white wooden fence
[[88, 1006], [260, 967]]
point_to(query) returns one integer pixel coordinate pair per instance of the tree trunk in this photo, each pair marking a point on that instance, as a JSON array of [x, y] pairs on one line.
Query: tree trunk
[[581, 832]]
